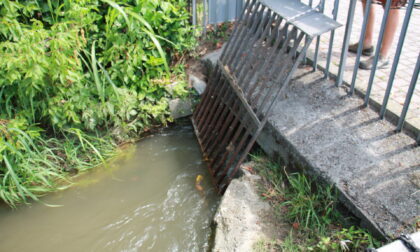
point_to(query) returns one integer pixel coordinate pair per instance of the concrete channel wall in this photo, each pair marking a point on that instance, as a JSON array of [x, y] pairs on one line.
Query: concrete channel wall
[[320, 130]]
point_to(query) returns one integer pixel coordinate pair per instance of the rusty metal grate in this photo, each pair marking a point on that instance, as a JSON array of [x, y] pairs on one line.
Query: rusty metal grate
[[255, 67]]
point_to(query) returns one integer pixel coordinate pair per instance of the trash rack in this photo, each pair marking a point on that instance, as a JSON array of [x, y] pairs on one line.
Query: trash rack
[[267, 44]]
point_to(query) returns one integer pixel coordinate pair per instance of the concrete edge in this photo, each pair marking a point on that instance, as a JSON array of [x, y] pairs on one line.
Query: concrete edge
[[291, 156]]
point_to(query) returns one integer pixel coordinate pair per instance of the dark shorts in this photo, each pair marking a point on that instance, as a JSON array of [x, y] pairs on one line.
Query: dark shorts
[[394, 3]]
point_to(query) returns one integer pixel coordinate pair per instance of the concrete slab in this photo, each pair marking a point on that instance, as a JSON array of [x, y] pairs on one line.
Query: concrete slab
[[320, 129]]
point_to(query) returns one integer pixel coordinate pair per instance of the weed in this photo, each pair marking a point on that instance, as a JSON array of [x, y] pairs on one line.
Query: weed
[[312, 209]]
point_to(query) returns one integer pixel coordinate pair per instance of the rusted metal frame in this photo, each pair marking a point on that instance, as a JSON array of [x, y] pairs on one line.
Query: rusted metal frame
[[229, 162], [224, 104], [241, 31], [257, 133], [283, 67], [246, 135], [253, 46], [246, 31], [212, 83], [286, 81], [205, 124], [225, 132], [234, 108], [203, 107], [256, 49], [257, 35], [227, 122], [222, 163], [221, 106], [279, 55], [244, 16], [212, 106], [244, 69], [256, 20], [217, 84], [222, 149], [235, 86], [271, 54], [288, 35], [209, 126], [221, 114]]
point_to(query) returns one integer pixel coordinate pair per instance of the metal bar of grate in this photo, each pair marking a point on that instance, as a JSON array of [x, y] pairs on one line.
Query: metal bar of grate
[[255, 67]]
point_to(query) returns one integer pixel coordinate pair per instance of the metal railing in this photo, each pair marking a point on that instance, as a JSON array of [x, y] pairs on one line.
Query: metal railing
[[380, 105], [338, 12]]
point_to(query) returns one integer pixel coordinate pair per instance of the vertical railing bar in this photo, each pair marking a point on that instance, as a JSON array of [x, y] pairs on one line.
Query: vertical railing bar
[[204, 18], [330, 46], [396, 58], [360, 47], [307, 38], [318, 41], [194, 14], [346, 41], [378, 49], [410, 92]]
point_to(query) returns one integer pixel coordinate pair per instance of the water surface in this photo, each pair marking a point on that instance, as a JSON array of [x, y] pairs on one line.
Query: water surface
[[147, 202]]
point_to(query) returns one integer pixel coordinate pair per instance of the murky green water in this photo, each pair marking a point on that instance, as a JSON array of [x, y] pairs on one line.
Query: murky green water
[[145, 203]]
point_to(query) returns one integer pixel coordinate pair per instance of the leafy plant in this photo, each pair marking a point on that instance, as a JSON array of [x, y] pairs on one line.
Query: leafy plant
[[73, 72]]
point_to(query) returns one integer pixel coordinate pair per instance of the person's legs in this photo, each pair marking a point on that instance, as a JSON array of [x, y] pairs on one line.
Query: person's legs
[[390, 30], [389, 33], [368, 42]]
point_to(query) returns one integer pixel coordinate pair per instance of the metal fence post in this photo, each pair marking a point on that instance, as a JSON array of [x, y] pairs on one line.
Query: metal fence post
[[360, 48], [194, 12], [204, 17], [378, 49], [409, 95], [397, 57], [330, 46], [346, 41], [318, 40]]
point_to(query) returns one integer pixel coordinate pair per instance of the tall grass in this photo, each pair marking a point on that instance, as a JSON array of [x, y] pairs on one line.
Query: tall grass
[[318, 223], [77, 78]]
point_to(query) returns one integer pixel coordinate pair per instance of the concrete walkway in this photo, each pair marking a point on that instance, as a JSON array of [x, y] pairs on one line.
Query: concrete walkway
[[405, 68], [321, 130]]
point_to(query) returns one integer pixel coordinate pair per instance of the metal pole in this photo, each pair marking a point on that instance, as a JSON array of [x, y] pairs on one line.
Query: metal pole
[[318, 40], [330, 47], [307, 38], [204, 17], [194, 12], [409, 95], [397, 57], [360, 48], [378, 49], [346, 41]]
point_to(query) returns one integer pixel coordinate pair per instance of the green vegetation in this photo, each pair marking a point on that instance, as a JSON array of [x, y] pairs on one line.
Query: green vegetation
[[78, 78], [318, 221]]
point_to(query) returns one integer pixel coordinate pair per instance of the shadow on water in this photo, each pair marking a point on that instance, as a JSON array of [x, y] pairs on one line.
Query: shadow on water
[[147, 202]]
